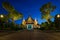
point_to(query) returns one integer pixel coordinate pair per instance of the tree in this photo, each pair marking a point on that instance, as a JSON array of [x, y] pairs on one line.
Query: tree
[[7, 6], [12, 13], [46, 9]]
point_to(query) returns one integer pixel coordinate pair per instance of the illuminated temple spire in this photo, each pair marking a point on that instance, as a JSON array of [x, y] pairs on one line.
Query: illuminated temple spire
[[23, 22], [35, 22]]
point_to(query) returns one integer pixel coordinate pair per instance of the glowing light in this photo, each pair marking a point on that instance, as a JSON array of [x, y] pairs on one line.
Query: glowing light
[[1, 16], [58, 16]]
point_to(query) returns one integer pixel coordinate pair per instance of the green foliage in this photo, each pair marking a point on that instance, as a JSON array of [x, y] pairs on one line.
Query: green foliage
[[13, 14], [46, 9], [7, 6], [47, 26], [46, 16], [22, 27], [44, 26]]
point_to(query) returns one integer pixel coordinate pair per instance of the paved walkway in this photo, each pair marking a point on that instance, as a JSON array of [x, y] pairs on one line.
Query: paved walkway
[[31, 35]]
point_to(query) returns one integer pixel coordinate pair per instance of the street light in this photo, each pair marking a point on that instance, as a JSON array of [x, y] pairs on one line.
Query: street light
[[1, 16], [58, 16]]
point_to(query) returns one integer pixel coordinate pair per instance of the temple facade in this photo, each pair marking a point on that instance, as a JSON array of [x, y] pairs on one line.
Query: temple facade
[[30, 23]]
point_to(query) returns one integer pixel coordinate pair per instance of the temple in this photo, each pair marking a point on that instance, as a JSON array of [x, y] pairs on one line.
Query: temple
[[30, 23]]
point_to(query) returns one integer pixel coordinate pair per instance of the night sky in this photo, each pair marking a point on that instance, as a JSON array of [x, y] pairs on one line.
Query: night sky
[[30, 7]]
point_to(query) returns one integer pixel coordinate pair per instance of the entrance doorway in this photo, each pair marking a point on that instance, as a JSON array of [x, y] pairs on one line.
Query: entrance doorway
[[29, 26]]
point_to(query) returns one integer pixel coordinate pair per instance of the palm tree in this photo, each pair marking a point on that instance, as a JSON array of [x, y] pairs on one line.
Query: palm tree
[[46, 9]]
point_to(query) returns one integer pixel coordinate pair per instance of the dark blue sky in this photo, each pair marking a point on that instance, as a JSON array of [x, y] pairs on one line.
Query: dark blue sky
[[31, 7]]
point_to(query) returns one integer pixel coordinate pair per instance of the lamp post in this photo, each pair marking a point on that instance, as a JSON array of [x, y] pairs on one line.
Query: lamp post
[[57, 21], [1, 23], [1, 17]]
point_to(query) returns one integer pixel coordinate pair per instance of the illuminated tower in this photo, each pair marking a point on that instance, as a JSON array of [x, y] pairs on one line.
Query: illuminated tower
[[23, 22], [35, 22]]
